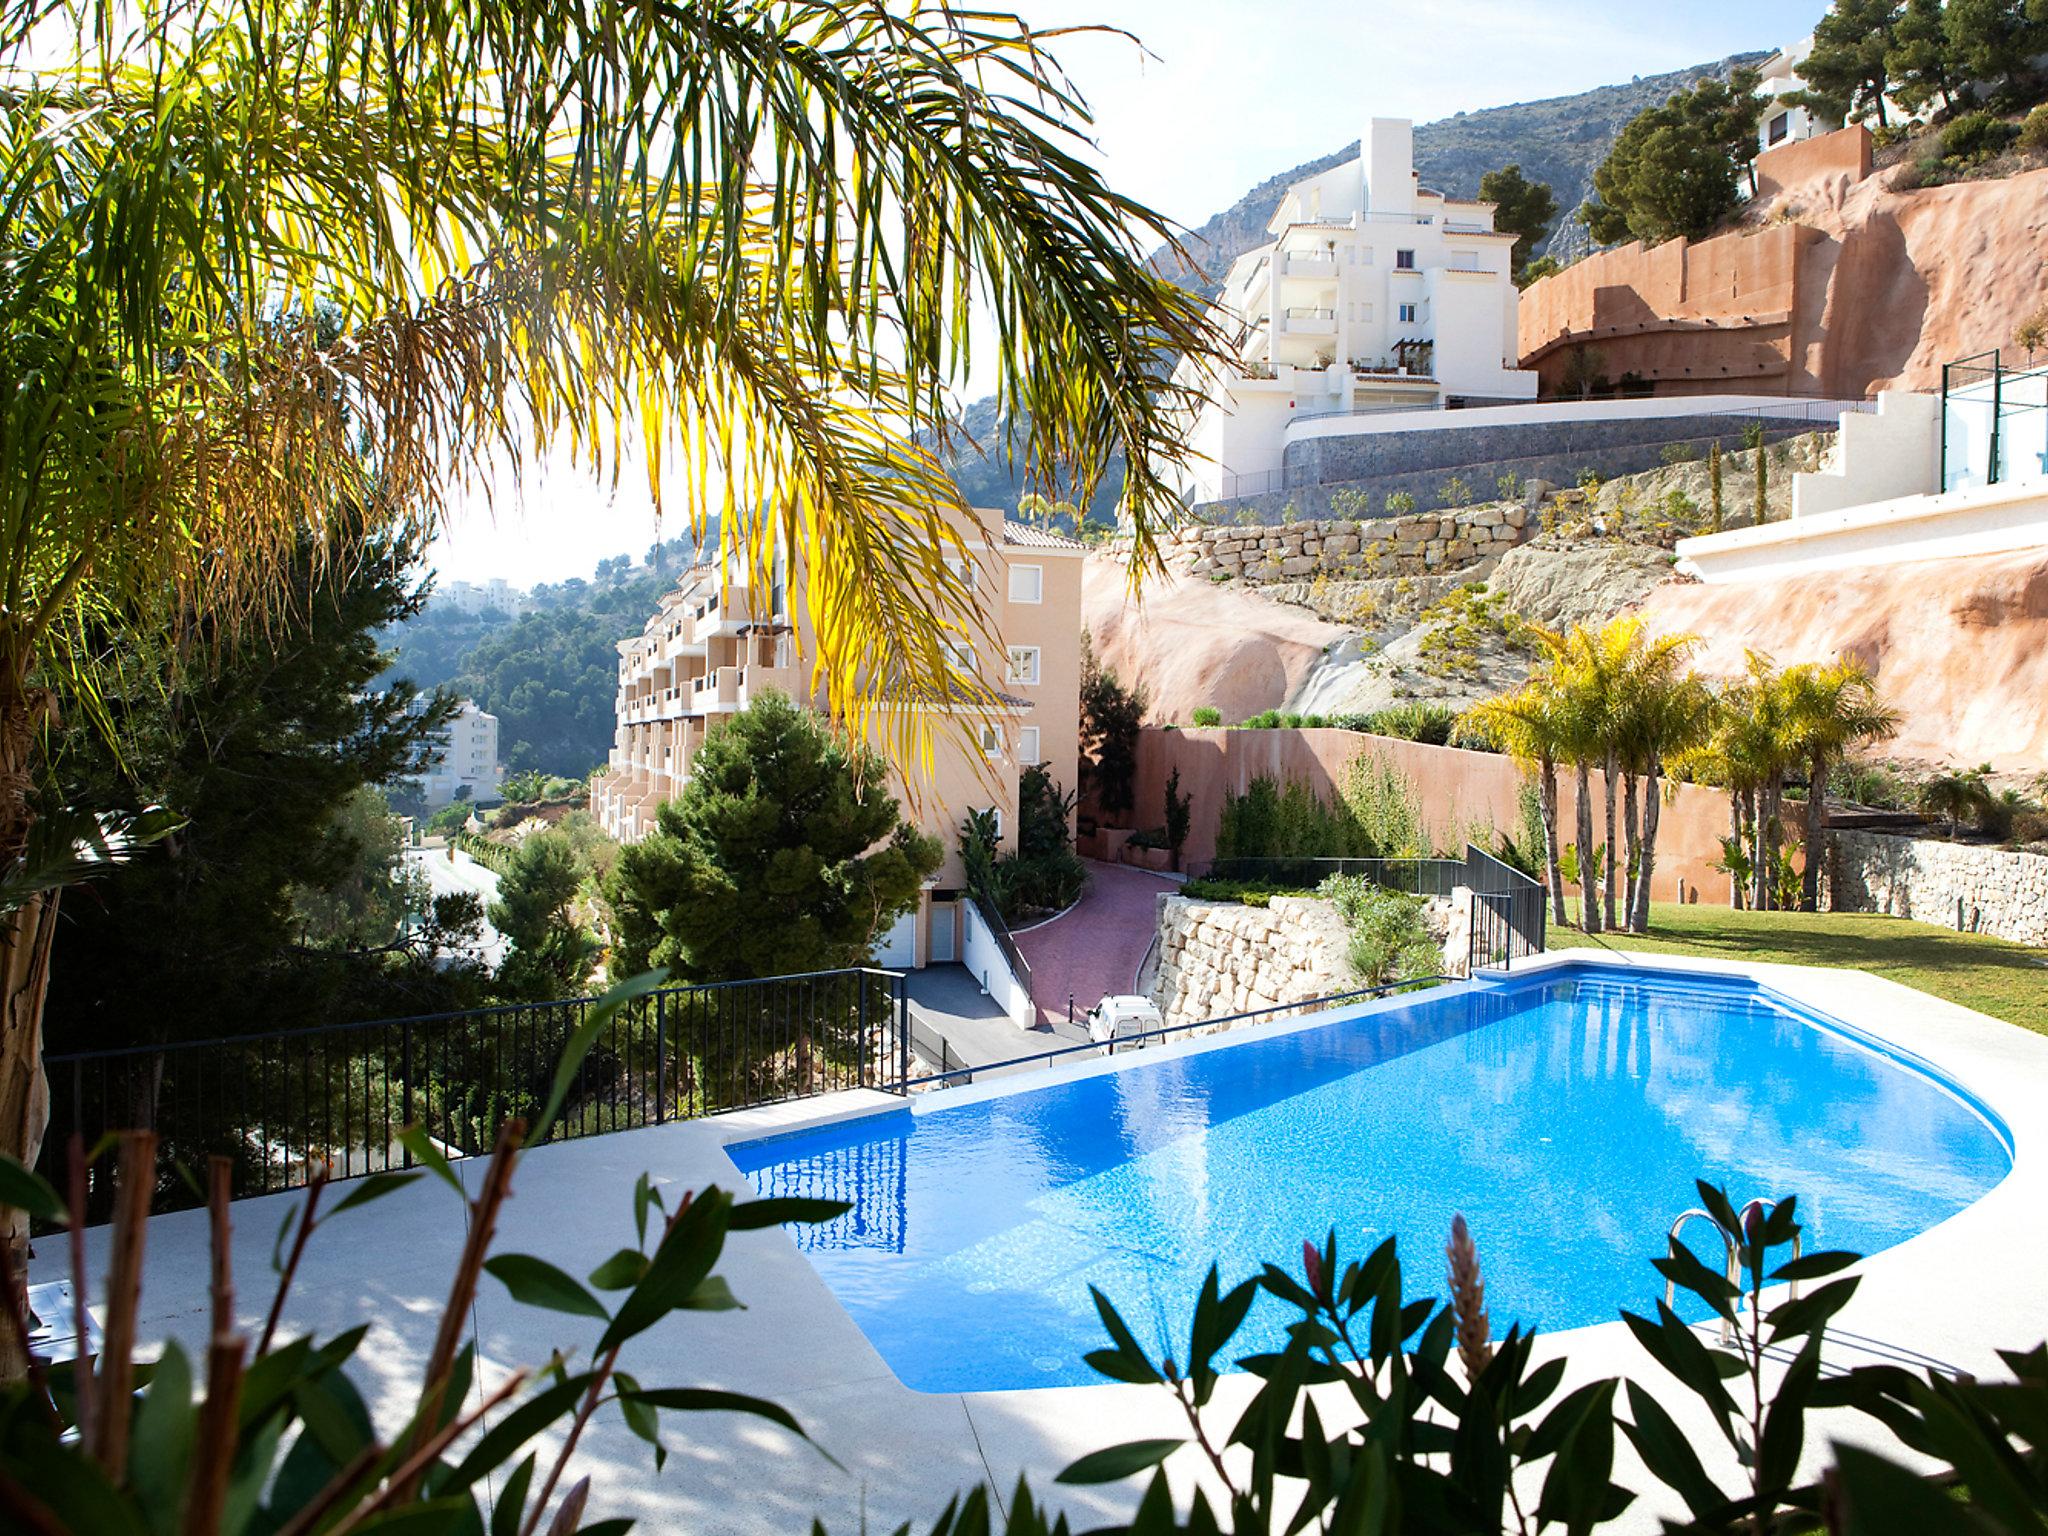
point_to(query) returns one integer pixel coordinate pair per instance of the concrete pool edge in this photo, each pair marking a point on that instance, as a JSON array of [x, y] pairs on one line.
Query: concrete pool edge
[[1952, 1295], [906, 1453]]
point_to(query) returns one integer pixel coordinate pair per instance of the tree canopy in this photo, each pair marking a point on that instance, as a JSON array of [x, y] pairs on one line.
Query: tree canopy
[[1848, 71], [275, 899], [785, 852], [1673, 170], [1523, 208]]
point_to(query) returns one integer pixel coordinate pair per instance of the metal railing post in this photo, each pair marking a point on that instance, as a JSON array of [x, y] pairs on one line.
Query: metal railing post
[[902, 990], [405, 1079], [867, 1046], [660, 1058]]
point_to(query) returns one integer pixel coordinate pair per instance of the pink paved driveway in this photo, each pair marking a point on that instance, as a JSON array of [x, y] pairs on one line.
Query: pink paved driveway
[[1096, 946]]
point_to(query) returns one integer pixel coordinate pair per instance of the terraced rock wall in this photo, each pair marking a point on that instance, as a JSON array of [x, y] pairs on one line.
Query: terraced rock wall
[[1998, 891]]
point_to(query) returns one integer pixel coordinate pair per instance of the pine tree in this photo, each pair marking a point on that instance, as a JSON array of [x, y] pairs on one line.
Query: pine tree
[[1526, 209], [785, 852], [1921, 62], [1847, 74], [1673, 170]]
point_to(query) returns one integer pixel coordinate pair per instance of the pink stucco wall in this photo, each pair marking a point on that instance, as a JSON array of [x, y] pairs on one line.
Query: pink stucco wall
[[1456, 788]]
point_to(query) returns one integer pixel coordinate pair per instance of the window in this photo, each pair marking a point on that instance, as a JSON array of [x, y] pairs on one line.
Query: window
[[1024, 665], [996, 812], [1407, 314], [1027, 583], [1404, 261], [1027, 745], [1365, 256], [962, 654], [961, 569], [991, 740], [1780, 126]]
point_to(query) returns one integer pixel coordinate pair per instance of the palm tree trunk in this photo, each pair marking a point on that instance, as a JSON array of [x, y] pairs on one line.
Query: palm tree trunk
[[1630, 837], [1735, 836], [1613, 860], [1546, 799], [26, 933], [1816, 832], [1758, 857], [1589, 891], [1646, 864]]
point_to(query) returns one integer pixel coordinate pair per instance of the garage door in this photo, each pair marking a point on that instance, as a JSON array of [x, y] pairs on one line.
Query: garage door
[[897, 948]]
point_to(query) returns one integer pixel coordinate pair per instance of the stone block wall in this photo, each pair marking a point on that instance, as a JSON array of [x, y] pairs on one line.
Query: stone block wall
[[1220, 958], [1981, 890], [1394, 546]]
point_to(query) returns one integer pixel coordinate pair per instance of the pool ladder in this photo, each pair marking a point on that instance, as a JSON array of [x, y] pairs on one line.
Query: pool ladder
[[1734, 1259]]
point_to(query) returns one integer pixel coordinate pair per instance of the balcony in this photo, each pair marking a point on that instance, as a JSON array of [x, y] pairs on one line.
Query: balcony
[[1318, 265], [1306, 320], [716, 693]]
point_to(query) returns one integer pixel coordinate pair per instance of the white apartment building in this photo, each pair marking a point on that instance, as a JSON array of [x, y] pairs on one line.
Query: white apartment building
[[475, 596], [1374, 293], [468, 756]]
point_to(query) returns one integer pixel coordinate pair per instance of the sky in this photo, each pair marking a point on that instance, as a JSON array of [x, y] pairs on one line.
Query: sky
[[1223, 94]]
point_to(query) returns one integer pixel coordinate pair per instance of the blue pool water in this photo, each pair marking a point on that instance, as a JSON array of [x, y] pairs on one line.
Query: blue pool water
[[1565, 1115]]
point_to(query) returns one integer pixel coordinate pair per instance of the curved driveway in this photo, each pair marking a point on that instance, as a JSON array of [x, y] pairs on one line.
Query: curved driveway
[[1096, 946]]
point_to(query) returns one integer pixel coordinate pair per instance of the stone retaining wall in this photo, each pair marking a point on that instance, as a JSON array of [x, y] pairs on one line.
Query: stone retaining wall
[[1320, 475], [1981, 890], [1398, 546], [1220, 958]]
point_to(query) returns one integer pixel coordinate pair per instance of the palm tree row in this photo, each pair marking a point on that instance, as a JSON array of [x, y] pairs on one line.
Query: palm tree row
[[1774, 724], [1623, 701]]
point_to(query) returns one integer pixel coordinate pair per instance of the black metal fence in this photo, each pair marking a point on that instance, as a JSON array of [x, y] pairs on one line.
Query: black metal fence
[[1509, 919], [283, 1103]]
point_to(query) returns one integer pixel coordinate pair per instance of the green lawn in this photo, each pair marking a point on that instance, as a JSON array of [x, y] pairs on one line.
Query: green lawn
[[1995, 976]]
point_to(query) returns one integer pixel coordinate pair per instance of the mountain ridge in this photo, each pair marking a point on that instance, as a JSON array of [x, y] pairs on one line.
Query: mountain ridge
[[1556, 139]]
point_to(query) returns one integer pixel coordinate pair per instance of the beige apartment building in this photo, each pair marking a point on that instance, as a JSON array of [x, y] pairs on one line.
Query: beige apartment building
[[714, 645]]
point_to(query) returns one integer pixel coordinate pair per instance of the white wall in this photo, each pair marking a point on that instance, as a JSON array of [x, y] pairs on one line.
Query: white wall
[[1987, 521], [1880, 456], [985, 963]]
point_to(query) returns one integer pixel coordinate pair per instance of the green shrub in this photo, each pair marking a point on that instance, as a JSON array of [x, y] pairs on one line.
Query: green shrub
[[1415, 720], [1399, 504], [1383, 802], [2033, 135], [1387, 935], [1456, 493], [1269, 821], [1207, 714], [1975, 137], [1250, 893]]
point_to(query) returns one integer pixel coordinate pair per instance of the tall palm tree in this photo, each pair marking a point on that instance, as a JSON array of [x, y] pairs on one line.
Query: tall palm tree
[[1678, 711], [1748, 753], [280, 268], [1829, 708], [1528, 725], [1576, 695]]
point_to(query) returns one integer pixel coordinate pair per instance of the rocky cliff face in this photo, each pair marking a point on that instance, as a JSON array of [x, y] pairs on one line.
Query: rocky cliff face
[[1959, 647]]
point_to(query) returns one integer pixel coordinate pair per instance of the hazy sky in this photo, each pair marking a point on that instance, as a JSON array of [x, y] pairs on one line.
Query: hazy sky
[[1224, 94]]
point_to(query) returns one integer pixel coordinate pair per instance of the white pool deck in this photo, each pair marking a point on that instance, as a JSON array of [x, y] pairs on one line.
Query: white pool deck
[[1975, 1282]]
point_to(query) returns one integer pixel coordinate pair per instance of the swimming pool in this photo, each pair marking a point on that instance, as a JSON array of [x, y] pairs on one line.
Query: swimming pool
[[1565, 1113]]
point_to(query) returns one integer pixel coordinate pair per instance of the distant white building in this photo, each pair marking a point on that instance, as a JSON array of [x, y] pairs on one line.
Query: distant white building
[[475, 597], [467, 756], [1374, 293]]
